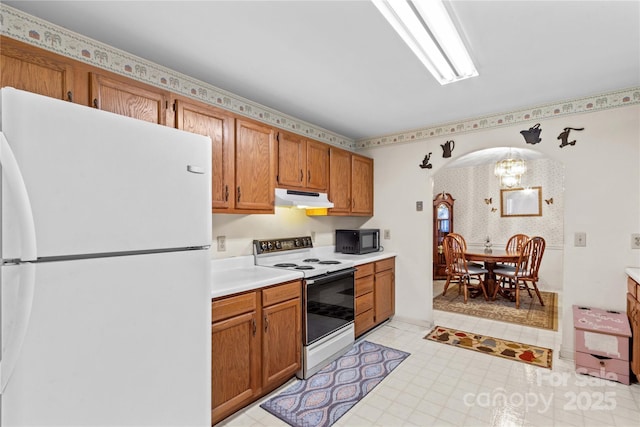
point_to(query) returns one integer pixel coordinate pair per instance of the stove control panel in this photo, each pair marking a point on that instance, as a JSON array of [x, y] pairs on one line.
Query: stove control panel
[[281, 245]]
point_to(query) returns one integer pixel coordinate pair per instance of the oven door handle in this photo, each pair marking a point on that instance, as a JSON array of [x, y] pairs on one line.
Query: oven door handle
[[330, 277]]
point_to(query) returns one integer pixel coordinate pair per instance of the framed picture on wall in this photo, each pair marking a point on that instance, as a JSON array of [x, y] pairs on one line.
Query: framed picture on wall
[[521, 202]]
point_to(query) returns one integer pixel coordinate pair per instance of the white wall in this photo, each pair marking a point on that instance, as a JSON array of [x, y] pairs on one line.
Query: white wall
[[601, 198]]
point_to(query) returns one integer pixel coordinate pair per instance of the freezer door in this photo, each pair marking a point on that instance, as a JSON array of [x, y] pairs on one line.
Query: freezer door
[[113, 341], [98, 182]]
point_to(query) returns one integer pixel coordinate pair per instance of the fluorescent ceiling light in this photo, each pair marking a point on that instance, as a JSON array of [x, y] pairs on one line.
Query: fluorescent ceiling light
[[426, 27]]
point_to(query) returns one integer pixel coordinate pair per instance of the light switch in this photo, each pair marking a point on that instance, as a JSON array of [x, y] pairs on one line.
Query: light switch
[[419, 206]]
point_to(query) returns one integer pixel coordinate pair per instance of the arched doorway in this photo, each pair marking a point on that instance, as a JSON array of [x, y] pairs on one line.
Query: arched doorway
[[470, 180]]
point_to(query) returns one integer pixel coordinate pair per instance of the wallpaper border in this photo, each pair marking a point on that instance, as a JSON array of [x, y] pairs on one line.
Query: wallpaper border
[[43, 34]]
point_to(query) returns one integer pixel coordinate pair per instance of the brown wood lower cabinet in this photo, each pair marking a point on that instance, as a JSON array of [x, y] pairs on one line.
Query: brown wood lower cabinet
[[256, 344], [374, 293], [633, 312]]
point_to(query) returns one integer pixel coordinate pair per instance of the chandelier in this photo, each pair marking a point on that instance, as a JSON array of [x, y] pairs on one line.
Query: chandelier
[[510, 171]]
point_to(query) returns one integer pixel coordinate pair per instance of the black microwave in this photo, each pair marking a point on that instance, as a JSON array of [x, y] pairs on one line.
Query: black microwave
[[361, 241]]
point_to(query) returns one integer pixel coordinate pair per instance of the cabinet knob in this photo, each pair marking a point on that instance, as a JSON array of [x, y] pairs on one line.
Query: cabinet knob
[[253, 324], [238, 194], [226, 193], [70, 96], [95, 102]]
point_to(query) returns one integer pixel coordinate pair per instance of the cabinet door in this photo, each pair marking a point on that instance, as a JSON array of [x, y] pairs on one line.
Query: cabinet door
[[282, 342], [292, 153], [128, 98], [317, 166], [384, 294], [35, 72], [361, 185], [340, 181], [633, 312], [235, 364], [255, 166], [219, 127]]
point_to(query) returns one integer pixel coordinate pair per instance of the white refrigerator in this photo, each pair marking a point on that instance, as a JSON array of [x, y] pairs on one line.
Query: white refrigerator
[[106, 308]]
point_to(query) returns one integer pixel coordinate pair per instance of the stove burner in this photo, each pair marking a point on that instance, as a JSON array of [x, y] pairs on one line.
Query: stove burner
[[285, 265], [304, 267], [329, 262], [311, 260]]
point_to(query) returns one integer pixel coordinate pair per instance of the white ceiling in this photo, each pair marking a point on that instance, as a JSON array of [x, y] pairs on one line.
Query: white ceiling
[[339, 64]]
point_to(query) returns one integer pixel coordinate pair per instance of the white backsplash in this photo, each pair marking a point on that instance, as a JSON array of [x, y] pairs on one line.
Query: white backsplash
[[241, 230]]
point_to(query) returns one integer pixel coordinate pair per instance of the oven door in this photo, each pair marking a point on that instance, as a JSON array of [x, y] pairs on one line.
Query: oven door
[[329, 304]]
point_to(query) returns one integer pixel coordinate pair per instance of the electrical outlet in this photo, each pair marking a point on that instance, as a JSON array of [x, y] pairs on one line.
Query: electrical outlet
[[313, 236], [222, 243], [580, 239], [635, 241], [387, 234], [419, 206]]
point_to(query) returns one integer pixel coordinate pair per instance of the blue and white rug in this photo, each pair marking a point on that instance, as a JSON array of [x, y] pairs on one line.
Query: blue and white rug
[[326, 396]]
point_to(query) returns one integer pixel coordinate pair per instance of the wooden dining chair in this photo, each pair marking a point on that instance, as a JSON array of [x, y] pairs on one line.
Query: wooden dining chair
[[459, 270], [516, 242], [463, 243], [526, 270], [515, 245]]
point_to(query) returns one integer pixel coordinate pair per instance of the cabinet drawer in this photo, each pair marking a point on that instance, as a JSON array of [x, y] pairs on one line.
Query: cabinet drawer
[[226, 307], [611, 369], [385, 264], [364, 270], [602, 344], [632, 287], [281, 293], [364, 322], [364, 303], [364, 285]]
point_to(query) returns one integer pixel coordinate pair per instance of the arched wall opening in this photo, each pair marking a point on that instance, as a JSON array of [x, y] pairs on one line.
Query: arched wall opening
[[478, 216]]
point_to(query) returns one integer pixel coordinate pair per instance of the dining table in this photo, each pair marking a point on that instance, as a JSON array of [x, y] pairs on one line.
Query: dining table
[[491, 259]]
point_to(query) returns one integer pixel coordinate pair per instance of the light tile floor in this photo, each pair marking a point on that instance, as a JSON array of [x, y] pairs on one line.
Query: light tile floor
[[440, 385]]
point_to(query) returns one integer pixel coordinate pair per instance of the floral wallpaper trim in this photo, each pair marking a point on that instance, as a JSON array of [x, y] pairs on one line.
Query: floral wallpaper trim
[[43, 34], [606, 101]]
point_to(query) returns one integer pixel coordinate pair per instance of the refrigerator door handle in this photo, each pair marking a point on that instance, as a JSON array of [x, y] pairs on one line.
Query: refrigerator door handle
[[12, 346], [11, 174]]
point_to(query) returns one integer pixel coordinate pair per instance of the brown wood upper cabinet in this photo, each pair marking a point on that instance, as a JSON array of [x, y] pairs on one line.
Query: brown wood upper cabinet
[[254, 167], [350, 183], [128, 98], [302, 163], [34, 70], [219, 126]]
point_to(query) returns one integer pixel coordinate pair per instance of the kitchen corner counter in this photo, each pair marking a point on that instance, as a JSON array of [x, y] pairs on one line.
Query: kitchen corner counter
[[634, 273], [365, 258], [234, 275]]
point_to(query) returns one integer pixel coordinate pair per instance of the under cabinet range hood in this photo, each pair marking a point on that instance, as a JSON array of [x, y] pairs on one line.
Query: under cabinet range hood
[[302, 199]]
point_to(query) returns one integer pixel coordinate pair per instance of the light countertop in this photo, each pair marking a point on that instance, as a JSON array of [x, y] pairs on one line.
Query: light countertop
[[239, 274], [634, 273]]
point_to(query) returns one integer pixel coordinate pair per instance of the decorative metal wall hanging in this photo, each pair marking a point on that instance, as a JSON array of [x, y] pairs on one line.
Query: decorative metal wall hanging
[[425, 162], [532, 136], [564, 137], [494, 209], [489, 200], [549, 201], [447, 148]]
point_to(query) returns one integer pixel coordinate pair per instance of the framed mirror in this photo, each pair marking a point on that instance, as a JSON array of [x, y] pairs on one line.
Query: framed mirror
[[521, 201]]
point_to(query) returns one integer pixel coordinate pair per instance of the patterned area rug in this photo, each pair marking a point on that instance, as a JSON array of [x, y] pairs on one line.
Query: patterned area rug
[[538, 356], [530, 313], [326, 396]]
